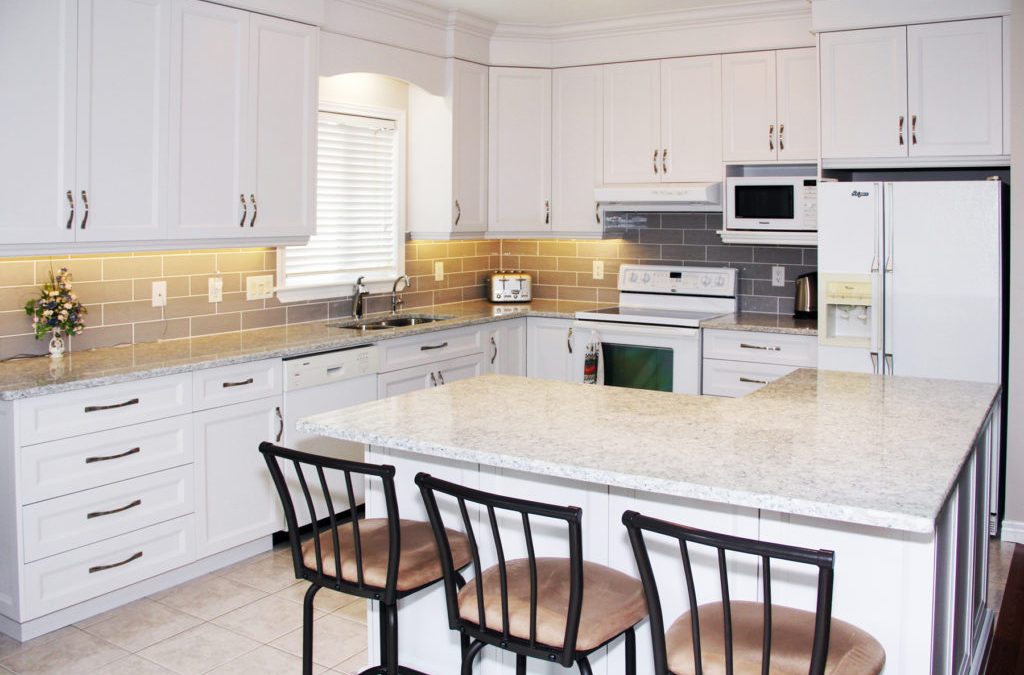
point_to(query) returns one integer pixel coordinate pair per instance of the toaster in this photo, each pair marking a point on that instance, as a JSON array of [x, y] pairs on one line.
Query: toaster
[[509, 287]]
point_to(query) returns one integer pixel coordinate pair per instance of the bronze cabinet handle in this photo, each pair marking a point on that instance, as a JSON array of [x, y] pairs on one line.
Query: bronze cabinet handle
[[495, 354], [568, 340], [280, 421], [597, 213], [664, 160], [913, 129], [100, 568], [744, 345], [97, 408], [458, 212], [71, 205], [241, 383], [440, 377], [426, 348], [901, 129], [782, 135], [245, 211], [771, 136], [433, 380], [97, 514], [85, 202], [655, 160], [547, 211], [750, 380], [134, 451], [255, 210]]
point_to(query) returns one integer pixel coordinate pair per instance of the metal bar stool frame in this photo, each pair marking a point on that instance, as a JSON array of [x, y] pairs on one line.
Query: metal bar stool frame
[[388, 595], [824, 560], [480, 634]]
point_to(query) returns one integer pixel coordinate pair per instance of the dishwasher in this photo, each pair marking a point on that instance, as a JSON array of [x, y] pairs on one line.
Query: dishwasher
[[319, 383]]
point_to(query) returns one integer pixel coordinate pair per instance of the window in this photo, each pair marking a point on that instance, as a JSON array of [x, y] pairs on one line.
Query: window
[[359, 208]]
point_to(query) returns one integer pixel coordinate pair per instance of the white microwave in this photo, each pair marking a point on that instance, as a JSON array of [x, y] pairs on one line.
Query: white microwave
[[772, 203]]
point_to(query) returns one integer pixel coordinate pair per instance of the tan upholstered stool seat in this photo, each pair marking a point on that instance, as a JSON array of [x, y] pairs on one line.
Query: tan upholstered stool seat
[[612, 602], [851, 651], [418, 562]]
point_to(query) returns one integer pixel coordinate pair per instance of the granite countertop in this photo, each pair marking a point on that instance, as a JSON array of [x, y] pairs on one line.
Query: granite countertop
[[23, 378], [866, 449], [764, 323]]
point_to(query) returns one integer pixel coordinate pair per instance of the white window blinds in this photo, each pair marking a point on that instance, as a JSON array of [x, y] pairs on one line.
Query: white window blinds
[[357, 205]]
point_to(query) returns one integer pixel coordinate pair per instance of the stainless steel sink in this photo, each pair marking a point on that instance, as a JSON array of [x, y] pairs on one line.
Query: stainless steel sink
[[389, 322]]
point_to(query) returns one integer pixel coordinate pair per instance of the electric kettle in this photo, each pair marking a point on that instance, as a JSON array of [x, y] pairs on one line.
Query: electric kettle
[[806, 302]]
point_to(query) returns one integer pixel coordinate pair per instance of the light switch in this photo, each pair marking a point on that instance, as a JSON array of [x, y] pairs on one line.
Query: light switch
[[159, 294], [598, 272], [215, 289]]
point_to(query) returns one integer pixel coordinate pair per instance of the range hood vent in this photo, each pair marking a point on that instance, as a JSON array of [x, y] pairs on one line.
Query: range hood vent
[[660, 197]]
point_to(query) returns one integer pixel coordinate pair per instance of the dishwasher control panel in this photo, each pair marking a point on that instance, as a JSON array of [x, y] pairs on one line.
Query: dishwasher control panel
[[316, 369]]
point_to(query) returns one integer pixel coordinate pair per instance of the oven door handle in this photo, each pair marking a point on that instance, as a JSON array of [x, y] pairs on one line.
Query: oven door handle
[[610, 329]]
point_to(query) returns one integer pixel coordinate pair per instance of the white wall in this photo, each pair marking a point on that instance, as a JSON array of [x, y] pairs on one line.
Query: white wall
[[365, 89], [1013, 518]]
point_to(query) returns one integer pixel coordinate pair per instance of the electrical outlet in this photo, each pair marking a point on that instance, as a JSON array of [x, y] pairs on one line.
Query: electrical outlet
[[215, 289], [598, 272], [159, 294], [259, 287], [778, 275], [439, 270]]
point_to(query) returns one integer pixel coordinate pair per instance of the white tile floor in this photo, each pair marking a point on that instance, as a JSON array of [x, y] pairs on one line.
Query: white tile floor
[[244, 619]]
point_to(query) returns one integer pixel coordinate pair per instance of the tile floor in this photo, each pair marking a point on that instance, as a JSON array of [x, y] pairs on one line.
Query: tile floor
[[244, 619]]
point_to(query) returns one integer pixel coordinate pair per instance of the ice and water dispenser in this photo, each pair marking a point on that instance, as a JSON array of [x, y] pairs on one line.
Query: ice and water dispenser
[[846, 309]]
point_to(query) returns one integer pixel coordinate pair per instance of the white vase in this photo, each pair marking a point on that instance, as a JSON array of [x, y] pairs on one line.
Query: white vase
[[56, 345]]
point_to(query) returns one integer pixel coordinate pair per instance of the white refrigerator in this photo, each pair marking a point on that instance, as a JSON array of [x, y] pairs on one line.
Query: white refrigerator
[[910, 283]]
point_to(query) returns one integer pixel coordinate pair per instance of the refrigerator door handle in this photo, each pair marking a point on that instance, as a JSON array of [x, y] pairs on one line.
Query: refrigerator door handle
[[874, 362], [878, 226], [888, 363]]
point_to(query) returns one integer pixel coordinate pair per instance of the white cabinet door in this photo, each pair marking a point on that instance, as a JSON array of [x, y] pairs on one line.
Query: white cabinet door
[[749, 128], [469, 154], [632, 124], [577, 142], [519, 188], [691, 125], [549, 348], [209, 110], [461, 368], [37, 118], [955, 100], [796, 85], [864, 93], [506, 348], [122, 125], [236, 501], [430, 375], [282, 152]]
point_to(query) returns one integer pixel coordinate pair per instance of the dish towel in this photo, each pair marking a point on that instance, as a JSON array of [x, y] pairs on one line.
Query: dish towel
[[592, 360]]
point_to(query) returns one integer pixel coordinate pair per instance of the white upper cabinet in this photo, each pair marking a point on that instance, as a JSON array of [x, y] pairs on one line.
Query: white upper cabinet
[[769, 106], [243, 144], [748, 105], [632, 122], [955, 94], [469, 155], [691, 125], [37, 61], [520, 150], [924, 91], [657, 128], [577, 143]]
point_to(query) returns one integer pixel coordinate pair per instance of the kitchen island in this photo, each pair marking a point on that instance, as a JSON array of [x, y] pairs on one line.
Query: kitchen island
[[890, 473]]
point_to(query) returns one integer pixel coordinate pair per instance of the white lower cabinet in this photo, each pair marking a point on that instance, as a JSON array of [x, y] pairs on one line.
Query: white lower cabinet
[[235, 497], [432, 374], [739, 362], [549, 348], [505, 348]]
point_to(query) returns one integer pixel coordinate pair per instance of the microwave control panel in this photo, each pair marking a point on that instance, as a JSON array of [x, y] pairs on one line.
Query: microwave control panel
[[809, 203]]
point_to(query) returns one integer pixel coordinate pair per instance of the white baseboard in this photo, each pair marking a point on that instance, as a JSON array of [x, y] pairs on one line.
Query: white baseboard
[[1013, 530]]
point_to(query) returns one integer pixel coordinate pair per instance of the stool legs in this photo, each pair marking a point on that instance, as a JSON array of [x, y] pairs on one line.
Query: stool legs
[[520, 664], [307, 630], [467, 660], [584, 665]]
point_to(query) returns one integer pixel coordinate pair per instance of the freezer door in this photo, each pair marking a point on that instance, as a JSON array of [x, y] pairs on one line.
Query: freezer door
[[943, 294]]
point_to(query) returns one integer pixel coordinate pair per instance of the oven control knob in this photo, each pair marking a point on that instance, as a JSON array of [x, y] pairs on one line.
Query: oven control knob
[[632, 276], [705, 281], [647, 277]]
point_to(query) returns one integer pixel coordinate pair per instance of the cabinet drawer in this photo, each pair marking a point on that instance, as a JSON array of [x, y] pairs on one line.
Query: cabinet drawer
[[235, 384], [737, 378], [61, 524], [72, 464], [779, 348], [63, 580], [414, 351], [72, 413]]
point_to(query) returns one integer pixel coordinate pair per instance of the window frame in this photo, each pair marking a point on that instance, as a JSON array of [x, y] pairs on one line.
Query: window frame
[[286, 294]]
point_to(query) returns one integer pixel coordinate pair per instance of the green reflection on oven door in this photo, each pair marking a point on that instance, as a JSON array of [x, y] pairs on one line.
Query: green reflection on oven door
[[637, 367]]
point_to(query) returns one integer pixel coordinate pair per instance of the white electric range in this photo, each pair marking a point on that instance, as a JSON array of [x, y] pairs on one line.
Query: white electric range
[[652, 339]]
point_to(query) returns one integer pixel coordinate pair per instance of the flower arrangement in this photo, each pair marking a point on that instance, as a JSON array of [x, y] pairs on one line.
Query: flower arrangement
[[56, 309]]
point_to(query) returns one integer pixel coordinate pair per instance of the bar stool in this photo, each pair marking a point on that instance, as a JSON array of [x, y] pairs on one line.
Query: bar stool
[[556, 609], [734, 636], [382, 559]]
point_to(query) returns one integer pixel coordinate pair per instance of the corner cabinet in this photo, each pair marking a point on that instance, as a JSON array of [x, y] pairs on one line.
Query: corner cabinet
[[469, 96], [549, 349], [770, 106], [243, 124], [133, 121], [505, 347], [927, 94]]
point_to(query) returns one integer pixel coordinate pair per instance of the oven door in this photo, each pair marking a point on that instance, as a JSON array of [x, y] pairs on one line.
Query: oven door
[[659, 358]]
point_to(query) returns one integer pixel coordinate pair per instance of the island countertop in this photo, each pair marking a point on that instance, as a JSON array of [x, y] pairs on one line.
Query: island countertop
[[864, 449]]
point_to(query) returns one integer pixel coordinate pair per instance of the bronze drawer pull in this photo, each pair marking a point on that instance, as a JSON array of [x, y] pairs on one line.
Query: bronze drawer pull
[[749, 380], [100, 568], [97, 408], [237, 384], [744, 345], [135, 450], [97, 514], [429, 347]]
